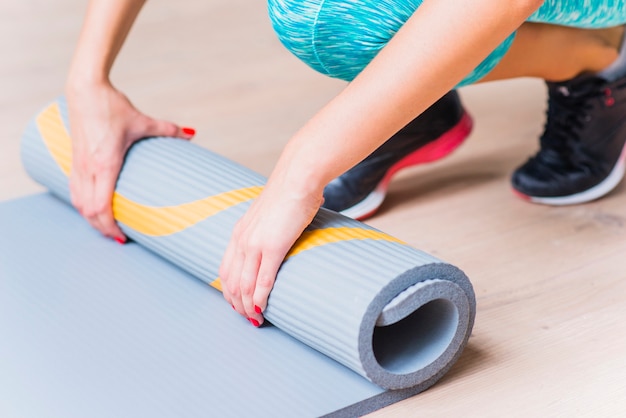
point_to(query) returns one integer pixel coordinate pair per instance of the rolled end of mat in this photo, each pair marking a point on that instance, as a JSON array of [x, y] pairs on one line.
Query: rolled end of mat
[[407, 342], [394, 314]]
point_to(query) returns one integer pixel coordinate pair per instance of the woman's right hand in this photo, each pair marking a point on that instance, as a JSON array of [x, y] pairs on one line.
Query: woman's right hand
[[104, 124]]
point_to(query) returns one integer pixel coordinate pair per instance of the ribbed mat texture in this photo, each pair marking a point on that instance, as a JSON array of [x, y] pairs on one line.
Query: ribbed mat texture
[[182, 201]]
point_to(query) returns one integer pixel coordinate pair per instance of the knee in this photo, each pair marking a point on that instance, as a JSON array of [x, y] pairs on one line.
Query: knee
[[338, 38]]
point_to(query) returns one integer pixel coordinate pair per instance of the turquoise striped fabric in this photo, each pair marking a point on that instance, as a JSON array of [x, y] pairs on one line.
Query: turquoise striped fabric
[[582, 13], [339, 38]]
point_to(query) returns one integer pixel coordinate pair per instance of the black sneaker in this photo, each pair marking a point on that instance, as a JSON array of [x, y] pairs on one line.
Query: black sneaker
[[360, 191], [582, 151]]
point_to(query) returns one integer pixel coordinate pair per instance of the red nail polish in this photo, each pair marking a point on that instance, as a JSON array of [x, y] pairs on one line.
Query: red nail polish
[[120, 240], [254, 322], [257, 309], [188, 131]]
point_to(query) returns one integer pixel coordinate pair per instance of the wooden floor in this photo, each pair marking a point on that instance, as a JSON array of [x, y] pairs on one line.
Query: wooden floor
[[551, 282]]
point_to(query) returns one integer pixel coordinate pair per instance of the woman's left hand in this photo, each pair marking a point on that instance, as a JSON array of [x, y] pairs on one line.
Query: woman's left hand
[[259, 243]]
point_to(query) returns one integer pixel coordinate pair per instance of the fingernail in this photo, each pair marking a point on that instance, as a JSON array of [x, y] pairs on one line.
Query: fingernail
[[189, 131], [254, 322], [257, 309], [121, 241]]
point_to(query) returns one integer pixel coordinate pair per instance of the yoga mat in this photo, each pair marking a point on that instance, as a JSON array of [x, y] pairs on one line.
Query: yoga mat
[[393, 314]]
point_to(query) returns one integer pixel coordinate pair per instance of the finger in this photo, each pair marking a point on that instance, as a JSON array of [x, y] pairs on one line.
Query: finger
[[88, 207], [234, 287], [76, 191], [186, 132], [102, 196], [156, 127], [91, 204], [80, 177], [224, 271], [247, 284], [268, 269]]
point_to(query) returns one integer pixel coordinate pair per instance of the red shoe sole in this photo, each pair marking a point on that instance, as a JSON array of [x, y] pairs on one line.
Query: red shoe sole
[[433, 151]]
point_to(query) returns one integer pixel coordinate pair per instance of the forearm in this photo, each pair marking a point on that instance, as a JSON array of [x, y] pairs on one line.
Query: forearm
[[105, 28], [441, 43]]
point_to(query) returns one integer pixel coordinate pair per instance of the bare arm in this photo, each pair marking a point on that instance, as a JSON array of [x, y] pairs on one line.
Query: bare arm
[[104, 31], [441, 43], [104, 123]]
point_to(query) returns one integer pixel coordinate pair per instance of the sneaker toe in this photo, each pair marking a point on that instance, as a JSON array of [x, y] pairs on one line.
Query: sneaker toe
[[536, 180], [338, 196]]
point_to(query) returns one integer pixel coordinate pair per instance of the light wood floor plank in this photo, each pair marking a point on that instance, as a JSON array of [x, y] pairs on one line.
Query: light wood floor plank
[[551, 282]]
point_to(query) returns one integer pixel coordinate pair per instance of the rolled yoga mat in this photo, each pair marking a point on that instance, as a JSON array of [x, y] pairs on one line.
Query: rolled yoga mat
[[393, 314]]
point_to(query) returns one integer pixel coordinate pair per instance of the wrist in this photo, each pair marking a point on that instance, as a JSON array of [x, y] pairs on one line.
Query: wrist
[[81, 82], [81, 78], [302, 176], [298, 187]]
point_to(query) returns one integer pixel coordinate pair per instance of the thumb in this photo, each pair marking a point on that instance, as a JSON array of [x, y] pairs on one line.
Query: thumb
[[156, 127]]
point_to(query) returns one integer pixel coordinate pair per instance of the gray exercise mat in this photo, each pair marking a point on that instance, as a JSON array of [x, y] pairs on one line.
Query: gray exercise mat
[[90, 328], [393, 314]]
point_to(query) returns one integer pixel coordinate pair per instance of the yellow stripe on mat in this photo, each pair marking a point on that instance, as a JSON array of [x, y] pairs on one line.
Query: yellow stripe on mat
[[55, 137], [148, 220], [319, 237], [166, 220]]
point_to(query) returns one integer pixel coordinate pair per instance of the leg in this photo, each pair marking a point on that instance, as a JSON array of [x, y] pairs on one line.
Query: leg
[[317, 32], [583, 151], [434, 134], [558, 53]]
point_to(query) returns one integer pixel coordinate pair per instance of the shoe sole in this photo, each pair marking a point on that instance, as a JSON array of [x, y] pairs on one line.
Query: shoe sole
[[433, 151], [593, 193]]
